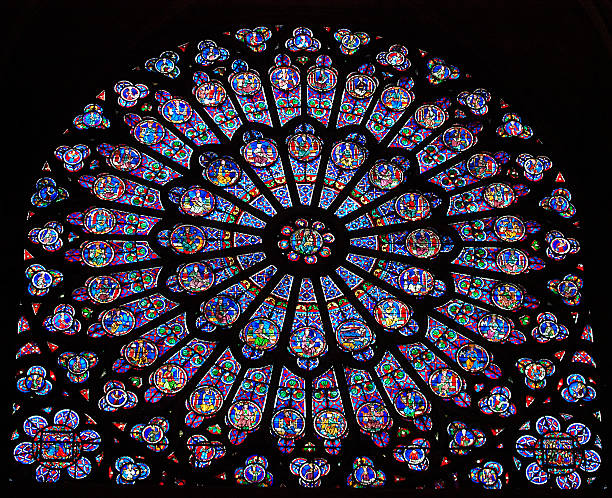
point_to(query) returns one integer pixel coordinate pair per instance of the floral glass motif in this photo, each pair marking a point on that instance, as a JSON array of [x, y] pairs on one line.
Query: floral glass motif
[[304, 256]]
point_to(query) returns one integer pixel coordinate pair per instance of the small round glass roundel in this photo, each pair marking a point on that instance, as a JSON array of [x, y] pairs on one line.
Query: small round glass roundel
[[170, 378], [494, 328], [206, 400], [330, 424], [187, 239], [416, 281], [288, 423], [211, 94], [412, 206], [104, 289], [261, 334], [507, 296], [195, 277], [260, 153], [42, 279], [373, 417], [411, 404], [429, 116], [164, 65], [99, 221], [117, 322], [304, 147], [385, 175], [62, 319], [307, 342], [223, 172], [482, 166], [149, 132], [109, 187], [177, 111], [509, 228], [222, 311], [458, 138], [125, 158], [392, 313], [152, 434], [322, 79], [197, 202], [247, 83], [445, 383], [285, 78], [140, 353], [512, 261], [472, 357], [48, 236], [354, 335], [499, 195], [560, 245], [347, 155], [396, 98], [423, 243], [97, 253], [244, 415], [360, 86]]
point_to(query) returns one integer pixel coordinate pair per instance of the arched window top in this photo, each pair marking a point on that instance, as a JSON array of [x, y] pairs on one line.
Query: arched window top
[[304, 256]]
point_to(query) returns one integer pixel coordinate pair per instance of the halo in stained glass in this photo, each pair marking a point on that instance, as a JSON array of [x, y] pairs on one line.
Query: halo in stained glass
[[305, 249]]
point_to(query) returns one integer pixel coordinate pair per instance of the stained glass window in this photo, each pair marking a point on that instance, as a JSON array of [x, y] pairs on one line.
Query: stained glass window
[[304, 256]]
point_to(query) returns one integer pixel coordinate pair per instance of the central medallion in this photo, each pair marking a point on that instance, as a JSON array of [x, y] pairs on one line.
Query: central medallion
[[305, 239]]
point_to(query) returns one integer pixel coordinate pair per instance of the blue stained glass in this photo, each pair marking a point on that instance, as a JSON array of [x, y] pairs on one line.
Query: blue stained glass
[[345, 158], [294, 256], [112, 188], [151, 133], [132, 161], [285, 81], [212, 391], [447, 145], [394, 100], [422, 124], [359, 89], [247, 85], [322, 79], [381, 178], [172, 376], [213, 97], [180, 113]]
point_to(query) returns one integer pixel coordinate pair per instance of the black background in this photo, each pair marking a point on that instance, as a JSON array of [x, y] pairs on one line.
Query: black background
[[550, 59]]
